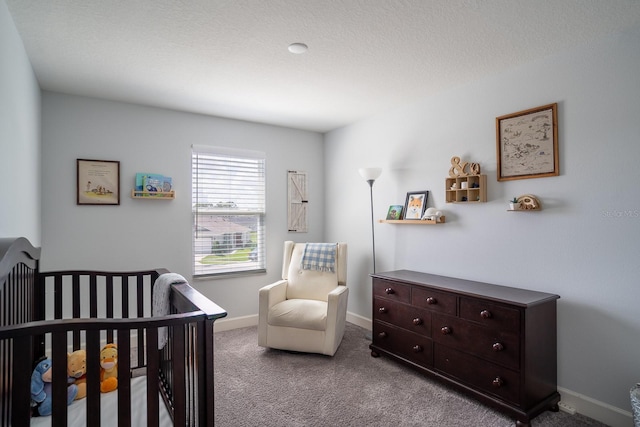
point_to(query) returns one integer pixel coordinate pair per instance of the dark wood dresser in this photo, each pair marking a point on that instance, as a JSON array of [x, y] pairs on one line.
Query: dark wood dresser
[[495, 343]]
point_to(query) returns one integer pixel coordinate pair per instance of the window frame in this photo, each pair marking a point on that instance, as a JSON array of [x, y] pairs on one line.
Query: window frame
[[228, 195]]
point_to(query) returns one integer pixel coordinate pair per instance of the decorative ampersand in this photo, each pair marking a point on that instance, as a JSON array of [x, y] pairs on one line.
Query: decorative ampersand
[[460, 169], [474, 169], [457, 169]]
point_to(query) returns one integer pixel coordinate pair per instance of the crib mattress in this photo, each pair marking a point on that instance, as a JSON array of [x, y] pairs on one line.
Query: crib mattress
[[77, 412]]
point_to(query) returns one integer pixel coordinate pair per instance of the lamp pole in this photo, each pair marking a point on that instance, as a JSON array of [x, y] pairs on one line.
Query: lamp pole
[[370, 175], [373, 233]]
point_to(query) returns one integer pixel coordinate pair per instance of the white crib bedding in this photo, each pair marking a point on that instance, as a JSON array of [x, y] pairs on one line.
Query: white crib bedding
[[77, 412]]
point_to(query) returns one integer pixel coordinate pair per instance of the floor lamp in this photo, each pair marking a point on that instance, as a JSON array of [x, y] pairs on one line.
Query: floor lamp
[[370, 175]]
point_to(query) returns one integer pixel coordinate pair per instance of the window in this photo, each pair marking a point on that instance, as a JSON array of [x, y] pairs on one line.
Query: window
[[228, 193]]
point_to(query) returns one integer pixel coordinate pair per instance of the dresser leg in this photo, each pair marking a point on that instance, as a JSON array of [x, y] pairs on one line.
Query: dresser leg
[[554, 408], [374, 353], [522, 424]]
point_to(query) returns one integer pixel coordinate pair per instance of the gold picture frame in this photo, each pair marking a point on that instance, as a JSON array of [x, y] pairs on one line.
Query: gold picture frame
[[527, 143], [98, 182]]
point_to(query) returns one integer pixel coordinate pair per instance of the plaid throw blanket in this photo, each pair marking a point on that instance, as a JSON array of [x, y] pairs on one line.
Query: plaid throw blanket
[[320, 257]]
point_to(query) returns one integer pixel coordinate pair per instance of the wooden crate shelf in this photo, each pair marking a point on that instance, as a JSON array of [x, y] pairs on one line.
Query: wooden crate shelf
[[476, 191]]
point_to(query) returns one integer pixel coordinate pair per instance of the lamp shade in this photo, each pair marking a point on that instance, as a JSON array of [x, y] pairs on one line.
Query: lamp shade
[[370, 174]]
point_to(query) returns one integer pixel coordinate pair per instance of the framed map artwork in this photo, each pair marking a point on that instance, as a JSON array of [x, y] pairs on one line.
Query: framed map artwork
[[527, 144]]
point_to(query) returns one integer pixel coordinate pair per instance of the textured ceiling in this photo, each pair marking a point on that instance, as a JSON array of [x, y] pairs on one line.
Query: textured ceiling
[[229, 58]]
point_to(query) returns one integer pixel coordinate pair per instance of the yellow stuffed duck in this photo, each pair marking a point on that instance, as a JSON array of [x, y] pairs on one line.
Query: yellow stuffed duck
[[108, 368]]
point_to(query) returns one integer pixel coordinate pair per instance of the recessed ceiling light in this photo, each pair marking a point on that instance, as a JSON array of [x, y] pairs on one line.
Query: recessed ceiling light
[[298, 48]]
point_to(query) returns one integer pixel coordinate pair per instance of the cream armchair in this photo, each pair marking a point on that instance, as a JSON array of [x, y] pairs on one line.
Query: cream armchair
[[306, 310]]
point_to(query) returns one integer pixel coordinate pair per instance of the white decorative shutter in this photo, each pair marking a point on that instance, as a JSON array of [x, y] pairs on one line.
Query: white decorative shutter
[[297, 209]]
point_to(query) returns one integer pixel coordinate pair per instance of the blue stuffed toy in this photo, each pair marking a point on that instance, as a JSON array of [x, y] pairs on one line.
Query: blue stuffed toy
[[41, 388]]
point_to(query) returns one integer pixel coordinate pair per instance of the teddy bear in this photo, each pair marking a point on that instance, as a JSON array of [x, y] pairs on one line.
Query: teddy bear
[[108, 368], [41, 388], [77, 369]]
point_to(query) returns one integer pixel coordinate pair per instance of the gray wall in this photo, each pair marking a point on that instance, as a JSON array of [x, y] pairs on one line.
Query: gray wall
[[19, 137], [583, 245], [151, 233]]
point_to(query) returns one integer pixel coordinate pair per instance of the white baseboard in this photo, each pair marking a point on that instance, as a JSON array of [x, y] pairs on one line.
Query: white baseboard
[[585, 405], [358, 320], [227, 324], [592, 408]]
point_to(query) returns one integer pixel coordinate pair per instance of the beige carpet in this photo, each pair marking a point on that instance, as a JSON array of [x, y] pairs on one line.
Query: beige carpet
[[265, 387]]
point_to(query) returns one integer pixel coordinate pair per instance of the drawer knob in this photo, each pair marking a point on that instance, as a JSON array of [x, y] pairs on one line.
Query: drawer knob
[[417, 348], [382, 334], [389, 291], [497, 347], [497, 382], [446, 330], [417, 321], [485, 314], [432, 300], [382, 309]]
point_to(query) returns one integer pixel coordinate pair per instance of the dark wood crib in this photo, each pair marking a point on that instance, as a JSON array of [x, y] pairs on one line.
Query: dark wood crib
[[52, 313]]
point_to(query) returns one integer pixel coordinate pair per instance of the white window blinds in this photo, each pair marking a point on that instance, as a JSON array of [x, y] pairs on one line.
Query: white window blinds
[[228, 193]]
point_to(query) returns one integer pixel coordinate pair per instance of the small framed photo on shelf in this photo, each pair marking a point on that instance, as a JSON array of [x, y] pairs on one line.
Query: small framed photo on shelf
[[98, 182], [416, 204], [527, 143], [394, 212]]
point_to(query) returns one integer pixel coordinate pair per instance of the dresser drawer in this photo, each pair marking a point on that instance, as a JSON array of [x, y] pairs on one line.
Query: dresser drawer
[[391, 290], [414, 347], [490, 315], [490, 378], [434, 300], [502, 347], [405, 316]]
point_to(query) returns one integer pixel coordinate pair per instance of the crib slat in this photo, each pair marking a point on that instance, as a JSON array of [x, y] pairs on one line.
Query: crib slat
[[140, 307], [75, 298], [110, 306], [124, 378], [205, 335], [59, 382], [39, 297], [6, 362], [21, 379], [93, 377], [125, 297], [153, 364], [93, 297], [178, 362], [57, 292]]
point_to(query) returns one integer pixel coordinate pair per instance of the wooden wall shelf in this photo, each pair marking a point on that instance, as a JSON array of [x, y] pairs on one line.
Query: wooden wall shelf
[[412, 221], [153, 195], [476, 191]]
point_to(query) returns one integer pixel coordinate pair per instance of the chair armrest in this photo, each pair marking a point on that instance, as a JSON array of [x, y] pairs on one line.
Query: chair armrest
[[272, 294], [337, 301], [338, 291], [336, 317], [268, 296]]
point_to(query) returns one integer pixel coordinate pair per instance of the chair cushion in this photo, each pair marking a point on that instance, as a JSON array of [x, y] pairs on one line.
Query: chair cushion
[[309, 284], [299, 313]]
